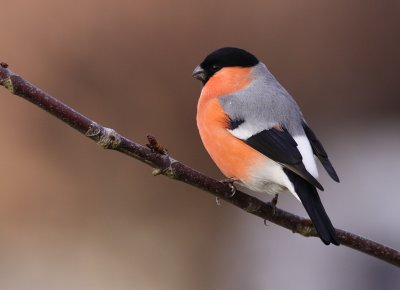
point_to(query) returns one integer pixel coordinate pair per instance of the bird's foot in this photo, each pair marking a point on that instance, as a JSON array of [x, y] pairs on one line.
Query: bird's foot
[[229, 181], [274, 202]]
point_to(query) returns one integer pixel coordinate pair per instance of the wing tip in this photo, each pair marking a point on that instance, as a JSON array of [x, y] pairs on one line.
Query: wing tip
[[320, 152], [329, 168], [335, 178], [300, 170], [319, 186]]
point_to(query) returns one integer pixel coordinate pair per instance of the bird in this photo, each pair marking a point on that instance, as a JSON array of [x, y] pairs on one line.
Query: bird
[[256, 133]]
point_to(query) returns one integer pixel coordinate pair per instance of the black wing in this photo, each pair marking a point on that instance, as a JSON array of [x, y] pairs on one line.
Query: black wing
[[320, 152], [280, 146]]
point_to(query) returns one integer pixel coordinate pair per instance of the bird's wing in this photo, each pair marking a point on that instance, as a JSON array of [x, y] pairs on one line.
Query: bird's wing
[[276, 143], [320, 152]]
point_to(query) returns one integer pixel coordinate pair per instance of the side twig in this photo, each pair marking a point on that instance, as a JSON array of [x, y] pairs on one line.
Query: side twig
[[156, 156]]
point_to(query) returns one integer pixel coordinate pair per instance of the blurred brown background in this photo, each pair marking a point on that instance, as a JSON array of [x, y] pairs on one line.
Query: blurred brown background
[[73, 216]]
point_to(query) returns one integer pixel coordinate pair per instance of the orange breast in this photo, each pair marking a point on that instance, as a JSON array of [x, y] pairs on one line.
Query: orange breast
[[233, 157]]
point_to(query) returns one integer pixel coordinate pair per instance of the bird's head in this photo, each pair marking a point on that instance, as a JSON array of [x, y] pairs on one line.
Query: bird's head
[[222, 58]]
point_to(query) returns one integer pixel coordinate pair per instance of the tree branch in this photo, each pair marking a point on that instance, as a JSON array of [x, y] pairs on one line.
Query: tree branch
[[157, 157]]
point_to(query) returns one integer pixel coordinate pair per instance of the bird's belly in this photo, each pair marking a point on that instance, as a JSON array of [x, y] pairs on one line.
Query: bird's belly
[[268, 177]]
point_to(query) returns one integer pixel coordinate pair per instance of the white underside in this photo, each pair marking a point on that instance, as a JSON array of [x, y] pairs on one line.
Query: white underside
[[269, 178]]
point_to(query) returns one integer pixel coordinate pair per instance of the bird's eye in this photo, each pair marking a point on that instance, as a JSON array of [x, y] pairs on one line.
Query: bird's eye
[[215, 67]]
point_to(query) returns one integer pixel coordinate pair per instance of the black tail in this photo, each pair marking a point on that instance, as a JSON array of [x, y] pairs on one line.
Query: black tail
[[309, 197]]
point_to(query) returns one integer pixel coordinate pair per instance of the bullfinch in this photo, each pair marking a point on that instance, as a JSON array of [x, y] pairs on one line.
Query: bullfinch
[[256, 134]]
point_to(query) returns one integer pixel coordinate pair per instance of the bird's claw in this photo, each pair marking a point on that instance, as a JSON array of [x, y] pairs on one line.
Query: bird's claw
[[233, 190], [229, 181], [274, 202]]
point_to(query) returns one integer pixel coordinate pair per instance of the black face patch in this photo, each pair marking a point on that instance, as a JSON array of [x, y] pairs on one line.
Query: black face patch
[[226, 57]]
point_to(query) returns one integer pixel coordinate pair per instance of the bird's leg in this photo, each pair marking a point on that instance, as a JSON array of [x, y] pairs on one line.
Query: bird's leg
[[274, 202], [229, 181]]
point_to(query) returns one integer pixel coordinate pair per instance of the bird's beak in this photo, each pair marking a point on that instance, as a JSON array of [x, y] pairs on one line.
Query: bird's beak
[[199, 74]]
